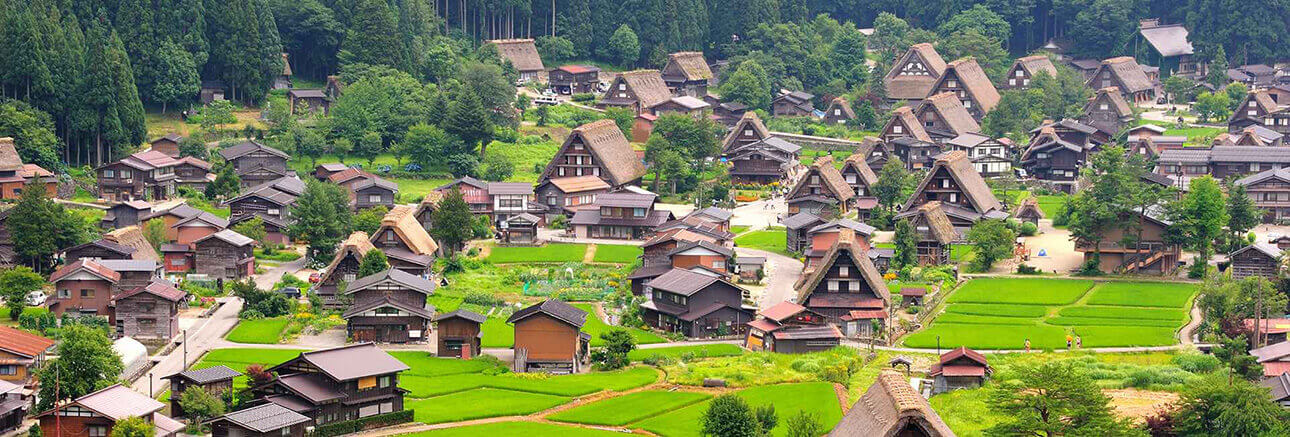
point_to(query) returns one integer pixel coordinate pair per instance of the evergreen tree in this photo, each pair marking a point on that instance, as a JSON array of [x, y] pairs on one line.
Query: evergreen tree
[[748, 85], [374, 262], [234, 37], [26, 73], [468, 121], [1221, 406], [175, 79], [371, 38], [133, 23], [226, 184], [369, 220], [906, 253], [891, 184], [322, 219], [729, 415], [624, 46], [451, 221], [1242, 214], [134, 128], [270, 50], [39, 228], [1055, 398]]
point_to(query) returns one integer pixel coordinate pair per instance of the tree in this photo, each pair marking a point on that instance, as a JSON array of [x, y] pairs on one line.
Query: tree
[[766, 418], [993, 241], [194, 147], [1114, 21], [1199, 217], [253, 229], [804, 424], [134, 426], [1236, 93], [624, 47], [1229, 303], [226, 184], [199, 405], [498, 167], [1231, 351], [155, 232], [1063, 95], [979, 19], [322, 218], [1217, 406], [39, 228], [1106, 204], [728, 415], [463, 164], [309, 143], [1054, 398], [618, 343], [370, 38], [889, 33], [623, 117], [369, 147], [469, 122], [749, 84], [1178, 87], [987, 51], [906, 253], [451, 221], [379, 100], [1212, 106], [1242, 214], [891, 184], [555, 48], [1015, 116], [33, 135], [495, 90], [427, 144], [15, 284], [369, 220], [85, 363], [1217, 67], [176, 79], [374, 262]]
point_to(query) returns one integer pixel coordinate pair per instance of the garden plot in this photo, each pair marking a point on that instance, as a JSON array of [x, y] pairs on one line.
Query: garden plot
[[1004, 313], [258, 331], [817, 398], [629, 408]]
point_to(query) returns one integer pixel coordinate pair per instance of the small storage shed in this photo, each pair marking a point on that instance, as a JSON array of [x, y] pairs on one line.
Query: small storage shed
[[957, 369], [460, 334]]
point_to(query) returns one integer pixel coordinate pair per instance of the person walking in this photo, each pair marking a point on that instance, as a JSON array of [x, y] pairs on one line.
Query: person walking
[[1027, 345], [1069, 339], [1079, 342]]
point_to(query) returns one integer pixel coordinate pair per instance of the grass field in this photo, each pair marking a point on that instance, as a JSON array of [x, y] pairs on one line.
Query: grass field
[[1004, 313], [497, 333], [699, 351], [616, 253], [629, 408], [814, 397], [262, 331], [532, 429], [559, 385], [1052, 205], [770, 240], [595, 326], [551, 253], [480, 403]]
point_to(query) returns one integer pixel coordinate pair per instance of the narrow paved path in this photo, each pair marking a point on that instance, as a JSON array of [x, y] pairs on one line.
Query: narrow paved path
[[782, 274], [200, 339], [1187, 332]]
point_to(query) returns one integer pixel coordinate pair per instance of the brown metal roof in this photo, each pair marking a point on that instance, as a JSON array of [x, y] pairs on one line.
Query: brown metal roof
[[577, 184], [554, 308], [157, 287], [22, 342], [354, 361], [88, 265]]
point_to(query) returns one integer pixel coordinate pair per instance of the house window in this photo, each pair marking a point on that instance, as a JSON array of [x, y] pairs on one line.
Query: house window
[[833, 285], [952, 83], [109, 174], [64, 294], [1102, 107], [843, 271], [274, 211], [87, 293], [897, 129], [147, 323], [638, 212], [552, 201], [1019, 73], [125, 174], [384, 382], [622, 87], [374, 198], [718, 264], [1013, 82], [366, 382], [1025, 82], [387, 311], [389, 235], [97, 431], [9, 370]]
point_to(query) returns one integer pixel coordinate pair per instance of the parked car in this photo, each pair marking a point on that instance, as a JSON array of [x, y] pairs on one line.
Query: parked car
[[546, 100], [315, 277], [36, 298]]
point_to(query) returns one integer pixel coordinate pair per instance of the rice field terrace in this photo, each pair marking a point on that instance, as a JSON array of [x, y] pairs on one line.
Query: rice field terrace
[[1002, 313]]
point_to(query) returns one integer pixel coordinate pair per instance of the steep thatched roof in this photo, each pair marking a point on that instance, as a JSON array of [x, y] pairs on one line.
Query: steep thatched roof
[[914, 87], [1035, 64], [1127, 70], [9, 158], [522, 53], [830, 178], [842, 104], [405, 225], [132, 236], [913, 128], [952, 111], [689, 66], [974, 80], [960, 168], [606, 142], [847, 243], [647, 85], [750, 120], [889, 407]]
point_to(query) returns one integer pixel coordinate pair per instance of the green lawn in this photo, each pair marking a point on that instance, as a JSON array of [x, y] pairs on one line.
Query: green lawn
[[481, 403], [261, 331], [629, 408], [239, 358], [770, 240], [557, 385], [1021, 291], [616, 253], [1195, 135], [595, 326], [814, 397], [1143, 294], [966, 412], [1003, 313], [497, 333], [1052, 205], [551, 253], [699, 351], [531, 429], [425, 364]]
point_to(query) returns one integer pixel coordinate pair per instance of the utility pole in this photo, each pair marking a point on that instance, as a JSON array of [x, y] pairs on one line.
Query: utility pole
[[184, 365]]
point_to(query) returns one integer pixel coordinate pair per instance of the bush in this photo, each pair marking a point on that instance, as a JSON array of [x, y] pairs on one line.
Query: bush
[[1197, 363], [1023, 269], [483, 299], [357, 425], [1028, 229], [583, 97]]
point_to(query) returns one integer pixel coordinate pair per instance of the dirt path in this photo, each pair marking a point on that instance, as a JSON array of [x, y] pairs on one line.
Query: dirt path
[[590, 254], [1187, 332]]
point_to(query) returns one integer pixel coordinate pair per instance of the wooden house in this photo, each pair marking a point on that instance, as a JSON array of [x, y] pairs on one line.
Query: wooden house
[[619, 216], [343, 269], [1024, 69], [1029, 211], [132, 236], [567, 195], [211, 90], [122, 214], [1125, 75], [1279, 387], [15, 402], [1258, 259], [202, 225], [796, 228], [549, 338], [1168, 48], [728, 113], [324, 171], [256, 163], [169, 217], [681, 105], [460, 334], [1150, 254], [574, 79], [1272, 330], [1275, 357], [425, 209], [754, 155], [912, 296], [150, 311], [8, 255], [962, 192], [511, 199], [95, 414], [168, 144], [405, 242], [989, 156], [694, 303], [84, 287], [965, 79], [915, 153], [598, 149], [224, 255], [937, 119], [792, 104], [98, 249], [936, 233], [1058, 152], [389, 307], [143, 175], [637, 90], [846, 288], [193, 173], [891, 407], [687, 74], [374, 192], [1260, 108], [264, 420], [749, 266], [283, 80], [522, 53], [473, 191], [1270, 191], [1107, 111], [839, 111], [821, 191], [1255, 135], [22, 354], [271, 202], [217, 381], [913, 75], [178, 258], [338, 384], [682, 248], [824, 236], [519, 229], [791, 328], [960, 368], [876, 153]]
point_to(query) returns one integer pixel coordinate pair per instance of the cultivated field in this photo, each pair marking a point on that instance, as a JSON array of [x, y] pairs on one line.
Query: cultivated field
[[1003, 313]]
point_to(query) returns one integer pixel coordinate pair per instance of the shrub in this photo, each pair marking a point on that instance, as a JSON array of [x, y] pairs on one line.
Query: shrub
[[1023, 269], [357, 425], [583, 97], [1028, 229], [483, 299], [1197, 363]]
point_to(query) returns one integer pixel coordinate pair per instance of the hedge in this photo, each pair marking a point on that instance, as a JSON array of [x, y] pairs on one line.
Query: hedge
[[359, 425]]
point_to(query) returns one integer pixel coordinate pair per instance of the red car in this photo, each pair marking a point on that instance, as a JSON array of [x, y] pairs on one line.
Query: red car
[[315, 277]]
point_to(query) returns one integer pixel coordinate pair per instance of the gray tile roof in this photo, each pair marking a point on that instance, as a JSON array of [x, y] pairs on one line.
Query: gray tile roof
[[1185, 156], [266, 417], [411, 281], [682, 281], [554, 308], [1250, 154], [354, 361], [465, 314], [209, 374]]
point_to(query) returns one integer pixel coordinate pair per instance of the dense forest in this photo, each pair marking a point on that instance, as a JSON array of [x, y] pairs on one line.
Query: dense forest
[[89, 68]]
